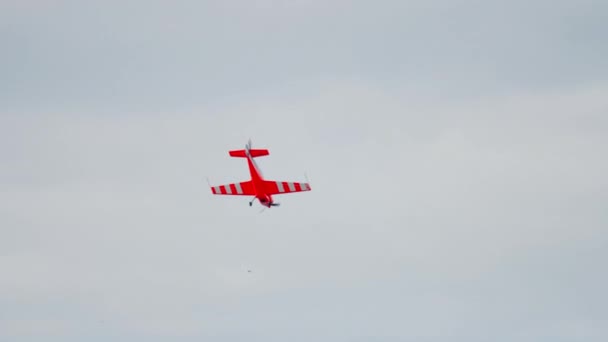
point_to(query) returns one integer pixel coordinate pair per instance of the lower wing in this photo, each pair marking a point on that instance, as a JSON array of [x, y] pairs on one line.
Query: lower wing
[[280, 187], [236, 189]]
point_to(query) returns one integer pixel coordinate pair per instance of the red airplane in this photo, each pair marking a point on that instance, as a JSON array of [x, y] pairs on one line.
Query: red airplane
[[261, 189]]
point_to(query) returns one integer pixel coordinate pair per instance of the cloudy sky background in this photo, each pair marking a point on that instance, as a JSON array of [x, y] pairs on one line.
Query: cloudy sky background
[[456, 152]]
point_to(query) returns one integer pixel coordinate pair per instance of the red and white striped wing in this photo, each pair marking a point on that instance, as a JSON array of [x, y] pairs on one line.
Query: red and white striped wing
[[235, 189], [280, 187]]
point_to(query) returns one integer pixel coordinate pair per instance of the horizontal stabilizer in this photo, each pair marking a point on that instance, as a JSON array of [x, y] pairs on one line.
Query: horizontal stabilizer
[[254, 153]]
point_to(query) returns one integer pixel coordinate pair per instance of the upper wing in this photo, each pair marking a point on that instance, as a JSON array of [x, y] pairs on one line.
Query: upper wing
[[280, 187], [242, 188]]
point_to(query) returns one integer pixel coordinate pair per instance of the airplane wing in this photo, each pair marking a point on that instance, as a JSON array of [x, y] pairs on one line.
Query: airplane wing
[[280, 187], [236, 189]]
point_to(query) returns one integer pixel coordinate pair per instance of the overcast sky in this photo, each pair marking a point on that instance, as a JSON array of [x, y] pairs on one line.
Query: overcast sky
[[457, 153]]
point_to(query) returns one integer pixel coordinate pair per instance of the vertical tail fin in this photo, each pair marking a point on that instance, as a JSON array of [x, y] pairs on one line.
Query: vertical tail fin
[[248, 150]]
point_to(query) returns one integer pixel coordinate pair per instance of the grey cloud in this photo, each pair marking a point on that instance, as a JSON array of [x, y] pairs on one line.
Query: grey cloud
[[442, 209], [399, 223], [78, 55]]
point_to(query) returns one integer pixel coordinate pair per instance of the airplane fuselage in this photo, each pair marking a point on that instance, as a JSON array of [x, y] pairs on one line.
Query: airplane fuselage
[[258, 183]]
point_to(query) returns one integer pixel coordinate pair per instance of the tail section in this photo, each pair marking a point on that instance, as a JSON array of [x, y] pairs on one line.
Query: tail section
[[253, 153]]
